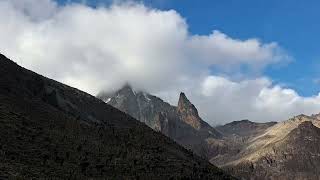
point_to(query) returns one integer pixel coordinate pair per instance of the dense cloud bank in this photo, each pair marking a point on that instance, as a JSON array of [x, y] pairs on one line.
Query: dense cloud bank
[[102, 48]]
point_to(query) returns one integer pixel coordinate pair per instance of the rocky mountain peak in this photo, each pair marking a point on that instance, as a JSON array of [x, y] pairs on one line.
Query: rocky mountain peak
[[188, 112], [124, 99], [126, 89], [184, 101], [185, 106], [183, 98]]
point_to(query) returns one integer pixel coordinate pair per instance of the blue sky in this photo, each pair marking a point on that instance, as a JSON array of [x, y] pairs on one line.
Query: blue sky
[[291, 23]]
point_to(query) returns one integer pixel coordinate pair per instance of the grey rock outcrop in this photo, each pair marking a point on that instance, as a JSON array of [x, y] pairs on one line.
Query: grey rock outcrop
[[181, 123]]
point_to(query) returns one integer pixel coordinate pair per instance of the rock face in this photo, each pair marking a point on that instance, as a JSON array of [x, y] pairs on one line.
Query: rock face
[[52, 131], [181, 123], [188, 112], [139, 105], [286, 150]]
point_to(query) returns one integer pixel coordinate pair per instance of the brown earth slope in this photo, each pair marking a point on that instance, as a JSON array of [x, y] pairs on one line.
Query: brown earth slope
[[287, 150]]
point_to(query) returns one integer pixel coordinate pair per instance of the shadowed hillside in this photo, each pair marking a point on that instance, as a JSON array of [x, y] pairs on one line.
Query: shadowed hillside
[[48, 129]]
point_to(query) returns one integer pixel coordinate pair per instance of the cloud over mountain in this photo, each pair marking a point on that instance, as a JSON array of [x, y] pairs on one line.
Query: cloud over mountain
[[102, 48]]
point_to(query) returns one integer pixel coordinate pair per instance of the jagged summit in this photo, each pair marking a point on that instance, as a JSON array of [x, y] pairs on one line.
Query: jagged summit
[[181, 123], [183, 99], [185, 104], [189, 112], [126, 90]]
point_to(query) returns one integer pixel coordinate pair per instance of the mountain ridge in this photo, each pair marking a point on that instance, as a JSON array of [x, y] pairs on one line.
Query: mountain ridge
[[51, 130], [286, 150], [181, 123]]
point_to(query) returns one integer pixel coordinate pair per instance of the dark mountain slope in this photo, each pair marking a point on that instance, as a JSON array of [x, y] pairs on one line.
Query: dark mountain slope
[[48, 129]]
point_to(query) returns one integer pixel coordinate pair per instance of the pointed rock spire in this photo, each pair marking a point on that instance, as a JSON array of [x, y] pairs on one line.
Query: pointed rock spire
[[188, 112], [183, 100], [184, 105]]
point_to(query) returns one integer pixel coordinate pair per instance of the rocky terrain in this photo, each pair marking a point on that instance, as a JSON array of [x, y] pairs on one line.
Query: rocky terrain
[[250, 150], [50, 130], [181, 123], [286, 150], [236, 137]]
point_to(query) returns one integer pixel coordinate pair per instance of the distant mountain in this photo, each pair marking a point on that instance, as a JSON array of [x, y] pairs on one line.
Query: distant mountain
[[286, 150], [52, 131], [236, 137], [181, 123], [250, 150], [244, 128]]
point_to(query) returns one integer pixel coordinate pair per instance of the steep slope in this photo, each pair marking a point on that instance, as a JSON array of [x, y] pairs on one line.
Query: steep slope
[[50, 130], [287, 150], [139, 105], [189, 114], [181, 123], [237, 136]]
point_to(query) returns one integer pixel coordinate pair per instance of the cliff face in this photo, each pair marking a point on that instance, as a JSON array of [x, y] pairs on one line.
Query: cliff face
[[188, 112], [181, 123], [50, 130]]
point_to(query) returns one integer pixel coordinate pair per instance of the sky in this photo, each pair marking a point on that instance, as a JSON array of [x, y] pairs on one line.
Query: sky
[[235, 60], [291, 23]]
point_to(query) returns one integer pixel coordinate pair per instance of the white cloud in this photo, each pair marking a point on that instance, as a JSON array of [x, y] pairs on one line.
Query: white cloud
[[227, 51], [102, 48], [221, 99]]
